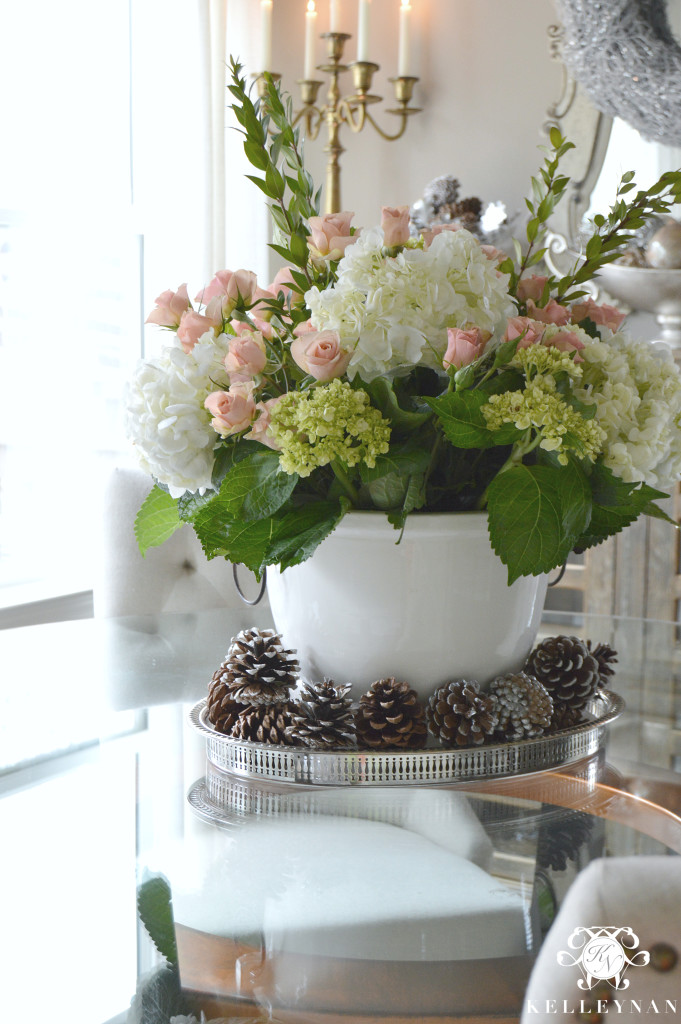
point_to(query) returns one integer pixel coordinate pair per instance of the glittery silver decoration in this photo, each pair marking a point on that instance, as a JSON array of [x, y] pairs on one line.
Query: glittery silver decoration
[[623, 54]]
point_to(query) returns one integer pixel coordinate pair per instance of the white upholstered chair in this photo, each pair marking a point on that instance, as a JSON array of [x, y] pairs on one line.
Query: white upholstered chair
[[175, 577]]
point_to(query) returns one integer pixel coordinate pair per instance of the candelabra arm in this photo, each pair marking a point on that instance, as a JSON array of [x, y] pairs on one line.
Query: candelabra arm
[[390, 137], [346, 113], [313, 118]]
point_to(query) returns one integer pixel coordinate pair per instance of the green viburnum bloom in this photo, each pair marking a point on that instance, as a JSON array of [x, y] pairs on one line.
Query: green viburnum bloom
[[328, 423], [540, 406]]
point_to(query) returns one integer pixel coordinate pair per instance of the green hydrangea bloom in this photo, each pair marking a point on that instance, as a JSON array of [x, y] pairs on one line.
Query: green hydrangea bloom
[[546, 361], [327, 423], [540, 407]]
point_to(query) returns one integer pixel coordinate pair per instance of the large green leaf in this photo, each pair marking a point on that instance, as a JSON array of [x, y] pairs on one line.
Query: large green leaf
[[384, 398], [156, 520], [300, 531], [154, 905], [536, 514], [616, 504], [256, 487], [412, 456], [464, 425]]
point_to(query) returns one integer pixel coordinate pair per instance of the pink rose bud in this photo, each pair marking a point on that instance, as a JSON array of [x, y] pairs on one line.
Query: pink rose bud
[[228, 290], [192, 327], [395, 224], [531, 287], [232, 410], [247, 356], [566, 341], [603, 315], [247, 327], [551, 313], [330, 235], [169, 308], [464, 346], [304, 328], [529, 331], [320, 354], [494, 254], [258, 431]]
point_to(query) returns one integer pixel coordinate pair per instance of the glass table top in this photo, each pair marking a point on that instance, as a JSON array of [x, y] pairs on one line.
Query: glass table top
[[289, 903]]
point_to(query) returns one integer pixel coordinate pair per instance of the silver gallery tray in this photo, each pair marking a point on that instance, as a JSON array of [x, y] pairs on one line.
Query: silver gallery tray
[[303, 766]]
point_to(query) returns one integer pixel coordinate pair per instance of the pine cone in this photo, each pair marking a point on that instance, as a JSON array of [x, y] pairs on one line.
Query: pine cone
[[604, 655], [564, 717], [262, 723], [258, 669], [390, 715], [472, 205], [458, 713], [222, 708], [523, 705], [561, 841], [324, 717], [441, 192], [567, 669]]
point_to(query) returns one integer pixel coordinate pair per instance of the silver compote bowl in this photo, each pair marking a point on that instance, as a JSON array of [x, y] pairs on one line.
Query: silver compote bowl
[[649, 290]]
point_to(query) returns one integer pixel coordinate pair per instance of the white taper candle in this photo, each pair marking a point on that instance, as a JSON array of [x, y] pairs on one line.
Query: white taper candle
[[363, 30], [266, 35], [404, 68], [334, 15], [310, 39]]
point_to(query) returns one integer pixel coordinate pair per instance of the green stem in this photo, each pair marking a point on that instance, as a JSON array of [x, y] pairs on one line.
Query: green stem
[[518, 452], [345, 482]]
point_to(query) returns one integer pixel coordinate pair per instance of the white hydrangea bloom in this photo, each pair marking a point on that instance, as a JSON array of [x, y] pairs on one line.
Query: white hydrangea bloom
[[636, 388], [393, 312], [165, 416]]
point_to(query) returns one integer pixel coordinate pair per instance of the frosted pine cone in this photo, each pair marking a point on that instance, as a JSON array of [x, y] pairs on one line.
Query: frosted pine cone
[[324, 717], [262, 723], [606, 657], [441, 192], [222, 708], [458, 713], [258, 669], [390, 715], [567, 668], [523, 705]]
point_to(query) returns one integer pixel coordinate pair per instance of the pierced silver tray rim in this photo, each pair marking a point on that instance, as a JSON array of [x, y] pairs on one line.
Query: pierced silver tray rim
[[307, 767]]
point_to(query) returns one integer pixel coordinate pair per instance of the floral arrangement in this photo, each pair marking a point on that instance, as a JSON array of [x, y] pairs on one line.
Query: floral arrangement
[[403, 373]]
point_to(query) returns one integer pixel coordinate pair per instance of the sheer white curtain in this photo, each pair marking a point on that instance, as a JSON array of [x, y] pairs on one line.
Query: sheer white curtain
[[113, 187]]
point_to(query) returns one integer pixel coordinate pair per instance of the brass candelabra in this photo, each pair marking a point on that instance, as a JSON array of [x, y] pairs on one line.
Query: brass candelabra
[[349, 110]]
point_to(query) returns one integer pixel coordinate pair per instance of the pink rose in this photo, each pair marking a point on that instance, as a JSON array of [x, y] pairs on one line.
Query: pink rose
[[169, 308], [531, 287], [430, 233], [606, 316], [551, 313], [463, 346], [395, 224], [246, 327], [320, 354], [529, 331], [283, 282], [246, 357], [230, 289], [330, 235], [566, 341], [258, 431], [193, 326], [232, 410]]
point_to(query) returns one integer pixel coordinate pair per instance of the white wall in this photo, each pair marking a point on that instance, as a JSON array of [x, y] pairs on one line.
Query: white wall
[[486, 81]]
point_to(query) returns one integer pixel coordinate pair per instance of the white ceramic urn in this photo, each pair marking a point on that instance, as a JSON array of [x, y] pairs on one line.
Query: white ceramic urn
[[434, 607]]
